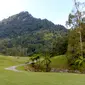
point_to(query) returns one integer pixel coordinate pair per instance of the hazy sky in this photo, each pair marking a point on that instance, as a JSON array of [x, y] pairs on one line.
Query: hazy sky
[[54, 10]]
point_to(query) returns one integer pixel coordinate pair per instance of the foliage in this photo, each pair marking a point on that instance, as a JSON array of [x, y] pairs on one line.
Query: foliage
[[76, 17], [23, 35], [76, 36]]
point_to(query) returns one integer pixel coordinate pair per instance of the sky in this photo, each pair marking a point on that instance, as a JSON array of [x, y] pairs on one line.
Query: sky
[[56, 11]]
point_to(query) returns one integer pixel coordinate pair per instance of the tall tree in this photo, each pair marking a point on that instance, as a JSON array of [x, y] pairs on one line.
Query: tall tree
[[75, 21]]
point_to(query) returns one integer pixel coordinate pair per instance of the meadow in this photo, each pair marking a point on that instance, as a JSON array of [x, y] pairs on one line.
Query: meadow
[[34, 78]]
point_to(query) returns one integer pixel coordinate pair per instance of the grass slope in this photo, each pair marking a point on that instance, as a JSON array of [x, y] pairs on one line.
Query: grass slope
[[31, 78], [59, 62]]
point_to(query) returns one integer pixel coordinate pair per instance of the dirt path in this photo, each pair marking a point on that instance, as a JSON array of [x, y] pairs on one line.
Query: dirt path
[[13, 68]]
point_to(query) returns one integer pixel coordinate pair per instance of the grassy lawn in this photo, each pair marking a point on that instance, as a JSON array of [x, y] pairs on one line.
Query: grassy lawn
[[59, 62], [35, 78], [6, 61]]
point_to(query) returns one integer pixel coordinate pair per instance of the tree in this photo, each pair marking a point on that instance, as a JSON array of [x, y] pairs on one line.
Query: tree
[[77, 15], [75, 21], [46, 62]]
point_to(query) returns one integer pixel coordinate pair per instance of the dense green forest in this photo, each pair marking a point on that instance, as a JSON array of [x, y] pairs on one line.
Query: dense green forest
[[23, 35]]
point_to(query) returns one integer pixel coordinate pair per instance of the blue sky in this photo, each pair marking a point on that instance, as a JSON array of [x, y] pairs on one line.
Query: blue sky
[[54, 10]]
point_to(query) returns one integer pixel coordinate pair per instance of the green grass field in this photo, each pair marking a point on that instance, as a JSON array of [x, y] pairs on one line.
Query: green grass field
[[35, 78], [59, 62]]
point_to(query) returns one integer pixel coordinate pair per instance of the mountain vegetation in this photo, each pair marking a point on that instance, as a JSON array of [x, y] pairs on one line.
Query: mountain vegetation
[[23, 35]]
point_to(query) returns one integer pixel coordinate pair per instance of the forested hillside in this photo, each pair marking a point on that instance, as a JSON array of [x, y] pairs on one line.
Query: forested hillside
[[23, 35]]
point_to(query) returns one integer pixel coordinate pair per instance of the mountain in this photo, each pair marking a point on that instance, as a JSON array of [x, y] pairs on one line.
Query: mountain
[[23, 34], [23, 23]]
